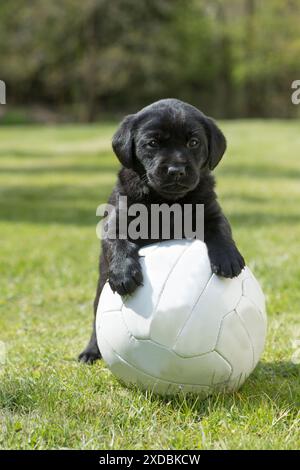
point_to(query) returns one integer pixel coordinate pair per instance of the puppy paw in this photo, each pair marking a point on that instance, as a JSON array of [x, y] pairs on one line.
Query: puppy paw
[[228, 263], [125, 279], [89, 355]]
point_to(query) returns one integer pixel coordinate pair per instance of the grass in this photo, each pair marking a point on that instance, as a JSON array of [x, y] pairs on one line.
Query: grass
[[51, 181]]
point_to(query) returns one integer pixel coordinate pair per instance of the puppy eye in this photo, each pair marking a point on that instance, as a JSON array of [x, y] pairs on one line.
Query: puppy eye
[[193, 143], [153, 143]]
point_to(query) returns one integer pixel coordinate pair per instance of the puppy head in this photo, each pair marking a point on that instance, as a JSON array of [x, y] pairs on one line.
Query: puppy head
[[170, 142]]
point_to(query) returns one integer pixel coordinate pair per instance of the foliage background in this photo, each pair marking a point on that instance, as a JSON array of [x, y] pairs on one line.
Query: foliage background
[[74, 60]]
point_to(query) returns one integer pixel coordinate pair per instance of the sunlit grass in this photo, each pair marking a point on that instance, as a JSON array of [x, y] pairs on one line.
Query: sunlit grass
[[51, 181]]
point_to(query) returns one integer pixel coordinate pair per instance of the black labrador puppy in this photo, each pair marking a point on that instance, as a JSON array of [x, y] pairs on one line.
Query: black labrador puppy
[[167, 151]]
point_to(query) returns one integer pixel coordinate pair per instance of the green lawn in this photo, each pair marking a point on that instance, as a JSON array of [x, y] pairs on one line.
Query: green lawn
[[51, 181]]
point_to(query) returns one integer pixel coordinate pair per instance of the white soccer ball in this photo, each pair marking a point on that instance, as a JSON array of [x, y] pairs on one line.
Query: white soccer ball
[[185, 329]]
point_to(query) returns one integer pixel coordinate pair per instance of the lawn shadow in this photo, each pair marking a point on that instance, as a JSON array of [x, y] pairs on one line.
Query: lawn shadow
[[22, 154], [260, 218], [275, 382], [50, 169], [55, 204], [245, 198], [12, 152], [259, 171], [76, 204]]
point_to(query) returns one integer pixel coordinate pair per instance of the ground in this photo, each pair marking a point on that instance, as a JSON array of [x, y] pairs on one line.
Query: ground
[[51, 181]]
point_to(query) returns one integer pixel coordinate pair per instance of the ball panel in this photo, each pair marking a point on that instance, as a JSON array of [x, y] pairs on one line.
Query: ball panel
[[156, 360], [147, 250], [252, 290], [138, 309], [109, 301], [130, 375], [170, 336], [235, 382], [178, 298], [235, 346], [245, 273], [200, 333], [126, 372], [254, 324], [110, 327]]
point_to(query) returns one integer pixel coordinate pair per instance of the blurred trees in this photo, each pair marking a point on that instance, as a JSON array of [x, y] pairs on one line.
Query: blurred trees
[[230, 57]]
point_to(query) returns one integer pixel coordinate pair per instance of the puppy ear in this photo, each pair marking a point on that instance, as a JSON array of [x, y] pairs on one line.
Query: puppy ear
[[122, 142], [216, 143]]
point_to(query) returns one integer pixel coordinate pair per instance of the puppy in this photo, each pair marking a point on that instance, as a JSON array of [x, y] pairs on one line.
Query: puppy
[[167, 151]]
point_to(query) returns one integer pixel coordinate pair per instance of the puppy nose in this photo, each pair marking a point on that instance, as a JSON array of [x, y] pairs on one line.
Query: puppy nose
[[177, 171]]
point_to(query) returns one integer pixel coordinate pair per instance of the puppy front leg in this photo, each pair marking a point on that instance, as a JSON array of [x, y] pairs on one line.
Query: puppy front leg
[[91, 353], [224, 256], [124, 273], [119, 263]]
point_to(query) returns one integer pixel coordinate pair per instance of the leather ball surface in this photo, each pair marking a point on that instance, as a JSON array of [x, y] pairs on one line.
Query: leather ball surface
[[186, 329]]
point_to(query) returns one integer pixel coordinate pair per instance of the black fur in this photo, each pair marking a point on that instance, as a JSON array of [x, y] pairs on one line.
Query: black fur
[[167, 151]]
